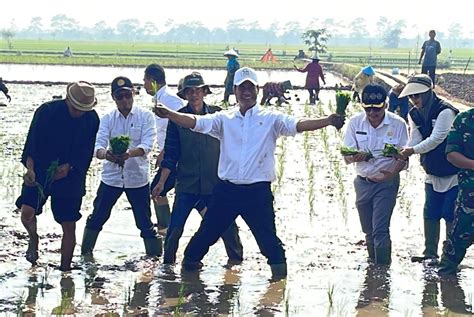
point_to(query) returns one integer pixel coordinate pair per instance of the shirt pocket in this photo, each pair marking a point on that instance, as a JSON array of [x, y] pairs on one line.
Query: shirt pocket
[[362, 141], [135, 134]]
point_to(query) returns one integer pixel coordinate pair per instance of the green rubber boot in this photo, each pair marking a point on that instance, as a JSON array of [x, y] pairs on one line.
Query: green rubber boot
[[88, 241], [383, 255], [279, 271], [153, 246]]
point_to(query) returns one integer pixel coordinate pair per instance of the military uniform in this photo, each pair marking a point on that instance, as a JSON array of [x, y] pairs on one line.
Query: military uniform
[[461, 139]]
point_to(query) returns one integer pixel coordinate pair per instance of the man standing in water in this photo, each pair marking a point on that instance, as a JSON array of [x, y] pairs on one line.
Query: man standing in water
[[247, 135], [232, 66], [4, 89], [155, 85], [57, 154], [315, 71], [430, 51]]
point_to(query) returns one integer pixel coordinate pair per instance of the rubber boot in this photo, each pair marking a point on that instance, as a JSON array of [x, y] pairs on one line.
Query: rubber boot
[[171, 245], [447, 267], [153, 246], [449, 227], [88, 241], [371, 251], [279, 271], [431, 229], [383, 256], [163, 215]]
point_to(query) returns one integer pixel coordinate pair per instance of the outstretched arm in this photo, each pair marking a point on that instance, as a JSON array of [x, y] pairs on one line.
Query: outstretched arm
[[315, 124], [182, 119]]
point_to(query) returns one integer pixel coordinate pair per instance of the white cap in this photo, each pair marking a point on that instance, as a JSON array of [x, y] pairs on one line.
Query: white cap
[[244, 74]]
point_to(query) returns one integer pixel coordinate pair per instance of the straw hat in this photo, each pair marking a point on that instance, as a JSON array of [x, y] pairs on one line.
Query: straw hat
[[81, 95]]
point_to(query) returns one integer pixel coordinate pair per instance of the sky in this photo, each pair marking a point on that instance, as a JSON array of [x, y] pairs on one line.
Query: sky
[[214, 13]]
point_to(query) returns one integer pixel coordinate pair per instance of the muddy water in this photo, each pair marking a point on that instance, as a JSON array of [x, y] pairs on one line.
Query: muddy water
[[315, 216]]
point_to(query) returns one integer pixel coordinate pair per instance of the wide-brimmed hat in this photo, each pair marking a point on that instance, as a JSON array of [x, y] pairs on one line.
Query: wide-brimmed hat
[[417, 84], [121, 83], [244, 74], [231, 52], [374, 95], [81, 95], [368, 70], [193, 80]]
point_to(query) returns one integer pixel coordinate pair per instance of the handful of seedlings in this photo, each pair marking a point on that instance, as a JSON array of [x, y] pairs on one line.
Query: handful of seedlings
[[119, 144], [390, 150], [342, 100], [347, 151]]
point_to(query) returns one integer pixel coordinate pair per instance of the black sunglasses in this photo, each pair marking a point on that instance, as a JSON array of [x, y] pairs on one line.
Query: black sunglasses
[[125, 94], [374, 109], [414, 96]]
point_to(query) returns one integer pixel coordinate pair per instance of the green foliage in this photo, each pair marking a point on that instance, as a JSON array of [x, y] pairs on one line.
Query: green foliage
[[342, 100], [316, 39], [346, 151], [390, 150], [119, 144]]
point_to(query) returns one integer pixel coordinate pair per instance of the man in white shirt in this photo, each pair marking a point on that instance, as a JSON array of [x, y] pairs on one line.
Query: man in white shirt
[[430, 121], [155, 85], [127, 172], [247, 135], [377, 181]]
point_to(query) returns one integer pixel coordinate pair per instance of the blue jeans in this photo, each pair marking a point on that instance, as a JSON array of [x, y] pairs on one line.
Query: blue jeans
[[106, 198], [439, 205], [183, 204]]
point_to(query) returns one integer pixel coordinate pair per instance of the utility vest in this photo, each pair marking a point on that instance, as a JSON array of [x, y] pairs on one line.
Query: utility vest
[[434, 162]]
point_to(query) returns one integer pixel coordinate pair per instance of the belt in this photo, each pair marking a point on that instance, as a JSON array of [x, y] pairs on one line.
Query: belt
[[365, 179]]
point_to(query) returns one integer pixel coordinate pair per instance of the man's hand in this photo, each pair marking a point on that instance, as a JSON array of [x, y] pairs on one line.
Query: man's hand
[[336, 120], [161, 110], [62, 171], [155, 193], [405, 153], [29, 178]]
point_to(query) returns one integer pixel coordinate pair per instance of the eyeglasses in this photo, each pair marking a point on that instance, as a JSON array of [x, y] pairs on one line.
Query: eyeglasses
[[414, 96], [374, 109], [125, 94]]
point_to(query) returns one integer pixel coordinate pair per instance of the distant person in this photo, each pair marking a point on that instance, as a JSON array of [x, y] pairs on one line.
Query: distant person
[[248, 134], [362, 79], [154, 82], [126, 172], [460, 151], [62, 134], [430, 51], [193, 157], [232, 66], [378, 177], [400, 104], [67, 52], [4, 89], [430, 120], [315, 71]]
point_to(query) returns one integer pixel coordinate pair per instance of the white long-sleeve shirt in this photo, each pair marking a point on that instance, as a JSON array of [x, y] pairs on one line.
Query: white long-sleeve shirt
[[165, 96], [441, 128], [361, 135], [139, 125], [247, 149]]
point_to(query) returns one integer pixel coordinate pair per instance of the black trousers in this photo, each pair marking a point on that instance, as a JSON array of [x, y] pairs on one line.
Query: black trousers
[[254, 203]]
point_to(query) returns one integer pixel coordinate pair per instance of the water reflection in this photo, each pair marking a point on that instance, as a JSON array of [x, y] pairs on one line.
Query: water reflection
[[375, 294], [452, 294], [68, 291]]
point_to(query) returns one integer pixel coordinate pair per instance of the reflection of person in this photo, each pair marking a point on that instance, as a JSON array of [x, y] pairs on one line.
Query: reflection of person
[[460, 152], [194, 156], [378, 179], [155, 79], [315, 71], [232, 66], [395, 103], [4, 89], [247, 136], [127, 172], [430, 121], [430, 51], [63, 132], [68, 291], [376, 288]]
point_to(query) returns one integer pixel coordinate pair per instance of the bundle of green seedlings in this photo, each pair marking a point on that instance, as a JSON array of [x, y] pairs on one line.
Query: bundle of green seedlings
[[347, 151], [342, 100], [119, 144], [50, 172], [390, 150]]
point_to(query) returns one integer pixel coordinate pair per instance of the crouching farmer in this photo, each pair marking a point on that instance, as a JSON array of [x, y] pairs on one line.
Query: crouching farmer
[[127, 172]]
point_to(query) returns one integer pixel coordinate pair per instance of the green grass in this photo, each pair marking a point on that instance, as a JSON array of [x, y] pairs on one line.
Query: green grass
[[201, 55]]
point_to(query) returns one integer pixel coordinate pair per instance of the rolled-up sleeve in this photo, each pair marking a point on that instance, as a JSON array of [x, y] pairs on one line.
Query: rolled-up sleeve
[[103, 135], [148, 133], [285, 125]]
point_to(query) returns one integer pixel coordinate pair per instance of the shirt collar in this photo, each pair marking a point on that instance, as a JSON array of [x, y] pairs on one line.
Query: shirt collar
[[255, 109], [161, 92], [117, 113], [386, 119]]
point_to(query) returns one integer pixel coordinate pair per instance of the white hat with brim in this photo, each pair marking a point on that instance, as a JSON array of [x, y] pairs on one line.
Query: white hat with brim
[[81, 95], [243, 74], [231, 52], [417, 84]]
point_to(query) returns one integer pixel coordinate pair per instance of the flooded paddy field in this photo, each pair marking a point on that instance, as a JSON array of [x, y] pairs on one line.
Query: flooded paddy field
[[316, 219]]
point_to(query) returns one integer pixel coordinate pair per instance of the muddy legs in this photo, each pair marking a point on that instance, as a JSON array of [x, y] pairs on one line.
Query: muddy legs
[[28, 218]]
